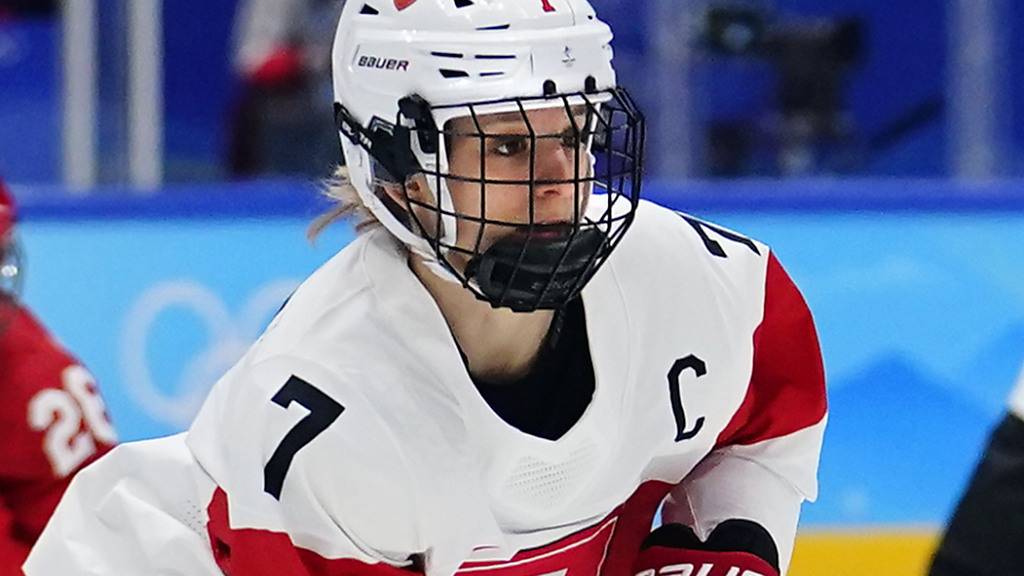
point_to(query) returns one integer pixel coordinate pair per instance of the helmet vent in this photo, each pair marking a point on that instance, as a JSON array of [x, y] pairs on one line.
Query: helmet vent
[[463, 3], [369, 10], [498, 27], [495, 57], [491, 74], [447, 73], [446, 54]]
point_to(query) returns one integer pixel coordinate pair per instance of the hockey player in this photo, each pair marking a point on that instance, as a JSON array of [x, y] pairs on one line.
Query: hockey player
[[52, 419], [282, 58], [513, 366], [986, 534]]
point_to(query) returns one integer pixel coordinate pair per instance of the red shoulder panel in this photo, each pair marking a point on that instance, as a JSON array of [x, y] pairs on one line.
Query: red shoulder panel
[[787, 385]]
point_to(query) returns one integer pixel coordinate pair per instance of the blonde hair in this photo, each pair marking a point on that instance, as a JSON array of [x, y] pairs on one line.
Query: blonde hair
[[347, 205]]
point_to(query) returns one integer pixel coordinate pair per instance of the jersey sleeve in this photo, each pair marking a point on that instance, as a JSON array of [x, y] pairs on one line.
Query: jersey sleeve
[[150, 508], [765, 461], [305, 467], [136, 511]]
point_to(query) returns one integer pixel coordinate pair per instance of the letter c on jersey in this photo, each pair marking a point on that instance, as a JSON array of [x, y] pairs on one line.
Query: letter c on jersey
[[699, 368]]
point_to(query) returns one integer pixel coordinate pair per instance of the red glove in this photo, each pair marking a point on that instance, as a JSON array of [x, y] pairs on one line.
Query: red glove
[[734, 548]]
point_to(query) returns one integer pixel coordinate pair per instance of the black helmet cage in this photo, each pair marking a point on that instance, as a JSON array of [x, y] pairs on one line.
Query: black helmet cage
[[613, 133]]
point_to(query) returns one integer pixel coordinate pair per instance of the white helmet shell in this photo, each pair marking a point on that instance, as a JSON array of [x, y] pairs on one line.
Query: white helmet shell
[[452, 53]]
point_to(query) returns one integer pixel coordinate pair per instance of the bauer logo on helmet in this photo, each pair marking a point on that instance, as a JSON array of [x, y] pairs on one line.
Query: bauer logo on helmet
[[383, 63]]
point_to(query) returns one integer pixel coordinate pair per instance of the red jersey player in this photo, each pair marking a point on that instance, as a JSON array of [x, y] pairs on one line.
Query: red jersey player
[[52, 420]]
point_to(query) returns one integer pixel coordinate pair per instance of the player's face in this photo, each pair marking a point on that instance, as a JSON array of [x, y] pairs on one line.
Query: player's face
[[559, 159]]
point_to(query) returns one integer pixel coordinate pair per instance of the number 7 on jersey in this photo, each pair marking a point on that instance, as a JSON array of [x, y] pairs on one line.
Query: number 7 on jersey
[[323, 411]]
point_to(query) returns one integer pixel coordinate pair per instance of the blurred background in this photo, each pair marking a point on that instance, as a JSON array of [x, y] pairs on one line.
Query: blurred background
[[167, 155]]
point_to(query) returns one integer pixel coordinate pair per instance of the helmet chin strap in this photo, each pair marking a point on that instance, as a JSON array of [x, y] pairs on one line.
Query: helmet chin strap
[[430, 260]]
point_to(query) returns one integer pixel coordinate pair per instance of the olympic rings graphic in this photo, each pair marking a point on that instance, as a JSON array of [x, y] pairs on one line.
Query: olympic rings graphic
[[229, 338]]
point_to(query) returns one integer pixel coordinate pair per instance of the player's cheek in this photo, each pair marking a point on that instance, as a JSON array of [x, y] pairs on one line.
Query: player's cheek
[[465, 197], [464, 159], [509, 203]]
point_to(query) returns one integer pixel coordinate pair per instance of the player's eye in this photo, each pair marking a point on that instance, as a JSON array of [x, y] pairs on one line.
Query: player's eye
[[510, 145], [574, 140]]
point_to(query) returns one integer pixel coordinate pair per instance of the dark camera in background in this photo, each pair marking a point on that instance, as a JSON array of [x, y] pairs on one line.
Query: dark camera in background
[[808, 130]]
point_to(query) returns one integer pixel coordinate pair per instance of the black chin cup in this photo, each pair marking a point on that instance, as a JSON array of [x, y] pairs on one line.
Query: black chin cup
[[525, 272]]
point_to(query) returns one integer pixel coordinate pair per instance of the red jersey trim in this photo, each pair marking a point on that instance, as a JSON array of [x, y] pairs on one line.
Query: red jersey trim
[[581, 538], [254, 552], [634, 525]]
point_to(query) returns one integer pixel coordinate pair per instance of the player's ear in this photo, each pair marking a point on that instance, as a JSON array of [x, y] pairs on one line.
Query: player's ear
[[415, 186], [417, 189], [419, 193]]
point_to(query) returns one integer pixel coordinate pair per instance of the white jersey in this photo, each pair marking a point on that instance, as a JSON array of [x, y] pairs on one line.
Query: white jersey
[[351, 439]]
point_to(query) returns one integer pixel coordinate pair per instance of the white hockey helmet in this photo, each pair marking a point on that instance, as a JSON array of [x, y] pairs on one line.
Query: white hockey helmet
[[404, 68]]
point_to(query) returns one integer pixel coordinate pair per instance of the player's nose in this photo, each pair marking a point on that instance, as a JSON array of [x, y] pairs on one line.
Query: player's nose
[[556, 171]]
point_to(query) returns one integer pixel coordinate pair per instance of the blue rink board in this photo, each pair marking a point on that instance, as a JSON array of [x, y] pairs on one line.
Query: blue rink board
[[919, 299]]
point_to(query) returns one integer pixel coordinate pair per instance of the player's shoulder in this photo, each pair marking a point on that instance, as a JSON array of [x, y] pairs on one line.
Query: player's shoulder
[[343, 331], [332, 316], [135, 474], [688, 257], [686, 235], [339, 285], [294, 442], [374, 433], [32, 358], [152, 461], [329, 348], [22, 333], [265, 384]]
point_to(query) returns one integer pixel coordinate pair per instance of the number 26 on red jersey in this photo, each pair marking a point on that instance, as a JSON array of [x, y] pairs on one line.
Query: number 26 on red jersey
[[60, 413]]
